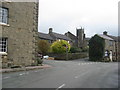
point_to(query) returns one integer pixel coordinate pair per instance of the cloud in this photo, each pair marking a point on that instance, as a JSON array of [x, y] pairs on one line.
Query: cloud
[[63, 15]]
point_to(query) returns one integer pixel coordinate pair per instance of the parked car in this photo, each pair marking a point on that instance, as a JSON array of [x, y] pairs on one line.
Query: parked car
[[45, 57]]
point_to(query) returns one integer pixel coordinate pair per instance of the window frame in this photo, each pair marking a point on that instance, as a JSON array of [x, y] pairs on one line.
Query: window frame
[[111, 43], [3, 45], [7, 16]]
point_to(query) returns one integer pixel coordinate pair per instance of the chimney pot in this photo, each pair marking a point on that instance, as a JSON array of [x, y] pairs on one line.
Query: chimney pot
[[105, 33], [50, 30]]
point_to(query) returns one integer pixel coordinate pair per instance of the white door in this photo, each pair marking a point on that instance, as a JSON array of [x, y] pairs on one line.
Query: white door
[[111, 55]]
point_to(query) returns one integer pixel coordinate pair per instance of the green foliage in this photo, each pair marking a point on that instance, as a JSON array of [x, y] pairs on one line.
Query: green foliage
[[85, 49], [43, 46], [39, 61], [96, 48], [60, 46], [75, 50]]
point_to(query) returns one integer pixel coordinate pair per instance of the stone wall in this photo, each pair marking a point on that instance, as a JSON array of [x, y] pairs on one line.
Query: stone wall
[[21, 32], [71, 56]]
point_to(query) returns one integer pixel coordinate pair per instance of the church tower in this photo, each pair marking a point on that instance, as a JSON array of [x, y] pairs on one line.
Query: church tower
[[80, 36]]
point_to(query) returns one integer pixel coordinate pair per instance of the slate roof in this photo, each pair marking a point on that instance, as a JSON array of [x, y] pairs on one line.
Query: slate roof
[[73, 36], [105, 37], [87, 39], [118, 38], [45, 36], [113, 37], [61, 36]]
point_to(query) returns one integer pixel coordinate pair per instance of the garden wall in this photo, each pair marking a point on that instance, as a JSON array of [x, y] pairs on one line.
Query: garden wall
[[71, 56]]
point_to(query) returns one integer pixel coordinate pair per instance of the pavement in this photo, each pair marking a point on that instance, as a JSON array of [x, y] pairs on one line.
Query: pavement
[[65, 74], [24, 68]]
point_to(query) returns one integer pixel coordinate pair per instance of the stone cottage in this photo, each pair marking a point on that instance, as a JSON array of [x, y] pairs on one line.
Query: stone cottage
[[52, 36], [109, 48], [18, 33], [47, 37], [116, 40]]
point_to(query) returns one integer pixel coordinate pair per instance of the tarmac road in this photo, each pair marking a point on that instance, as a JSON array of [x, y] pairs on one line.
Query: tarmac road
[[66, 74]]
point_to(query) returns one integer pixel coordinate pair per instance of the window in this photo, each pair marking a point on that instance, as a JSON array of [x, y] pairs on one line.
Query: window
[[73, 41], [3, 15], [3, 44], [110, 43], [87, 42]]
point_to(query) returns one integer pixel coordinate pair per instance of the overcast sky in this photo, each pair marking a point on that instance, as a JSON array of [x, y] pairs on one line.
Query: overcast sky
[[95, 16]]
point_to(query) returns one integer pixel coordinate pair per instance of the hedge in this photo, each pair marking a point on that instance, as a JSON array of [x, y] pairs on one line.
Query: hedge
[[96, 48]]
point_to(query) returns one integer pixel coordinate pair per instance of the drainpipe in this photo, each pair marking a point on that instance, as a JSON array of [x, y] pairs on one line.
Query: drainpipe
[[116, 50]]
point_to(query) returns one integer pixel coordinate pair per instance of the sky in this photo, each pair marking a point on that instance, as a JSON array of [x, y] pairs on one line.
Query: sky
[[95, 16]]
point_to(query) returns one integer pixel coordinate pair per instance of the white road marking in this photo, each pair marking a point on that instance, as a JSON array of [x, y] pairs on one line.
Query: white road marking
[[82, 63], [91, 63], [81, 75], [36, 71], [60, 86], [6, 77], [21, 74], [76, 76]]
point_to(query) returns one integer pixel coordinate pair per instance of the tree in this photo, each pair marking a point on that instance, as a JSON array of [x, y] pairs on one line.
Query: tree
[[43, 47], [96, 48], [60, 46]]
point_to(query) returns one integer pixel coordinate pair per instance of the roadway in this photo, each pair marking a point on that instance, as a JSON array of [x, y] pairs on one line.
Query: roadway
[[65, 74]]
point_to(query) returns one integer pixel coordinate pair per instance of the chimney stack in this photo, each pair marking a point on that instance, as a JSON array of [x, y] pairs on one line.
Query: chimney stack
[[50, 30], [84, 36], [105, 33]]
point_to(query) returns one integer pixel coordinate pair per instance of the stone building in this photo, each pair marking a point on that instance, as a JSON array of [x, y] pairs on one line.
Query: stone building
[[116, 40], [18, 33], [111, 48], [47, 37], [73, 38], [79, 40], [52, 36]]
